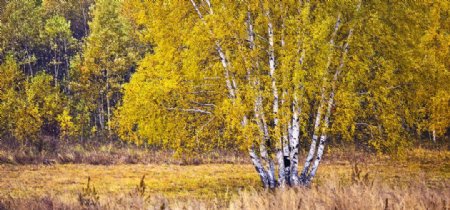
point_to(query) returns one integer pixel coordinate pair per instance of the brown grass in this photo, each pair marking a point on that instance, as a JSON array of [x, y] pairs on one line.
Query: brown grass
[[113, 154], [329, 195], [420, 181], [204, 182], [334, 195]]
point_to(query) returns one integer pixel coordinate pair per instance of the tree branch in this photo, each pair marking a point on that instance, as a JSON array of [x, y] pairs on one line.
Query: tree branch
[[189, 110]]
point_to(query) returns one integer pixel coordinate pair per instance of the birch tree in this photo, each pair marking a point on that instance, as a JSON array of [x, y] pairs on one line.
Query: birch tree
[[21, 21], [28, 108], [177, 95], [274, 59], [272, 76], [59, 37], [104, 64]]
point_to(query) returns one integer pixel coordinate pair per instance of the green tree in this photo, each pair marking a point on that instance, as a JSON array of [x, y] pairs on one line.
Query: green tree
[[106, 61], [77, 12], [59, 37], [21, 21]]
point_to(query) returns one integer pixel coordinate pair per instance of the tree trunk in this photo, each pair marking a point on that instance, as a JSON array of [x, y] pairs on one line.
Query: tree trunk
[[262, 124], [295, 135], [283, 152], [56, 67], [323, 138], [269, 175], [330, 105], [294, 141], [434, 136], [231, 85], [312, 149], [272, 74], [108, 105], [259, 167]]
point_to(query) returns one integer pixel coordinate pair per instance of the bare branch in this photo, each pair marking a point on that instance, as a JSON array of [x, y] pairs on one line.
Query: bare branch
[[189, 110], [203, 104], [197, 9]]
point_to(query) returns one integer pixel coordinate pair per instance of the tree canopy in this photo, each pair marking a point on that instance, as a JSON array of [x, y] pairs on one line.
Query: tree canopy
[[271, 78]]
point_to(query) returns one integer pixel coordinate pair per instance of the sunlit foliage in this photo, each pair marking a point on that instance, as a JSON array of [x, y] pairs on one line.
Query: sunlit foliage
[[192, 76]]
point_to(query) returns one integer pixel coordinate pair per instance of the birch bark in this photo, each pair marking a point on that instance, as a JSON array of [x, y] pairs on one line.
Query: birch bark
[[272, 76], [330, 104], [259, 167], [283, 151], [269, 175], [259, 116], [231, 85], [295, 132], [312, 148], [317, 121]]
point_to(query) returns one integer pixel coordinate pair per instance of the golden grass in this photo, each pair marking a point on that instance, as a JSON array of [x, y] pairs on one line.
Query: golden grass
[[334, 195], [422, 180], [172, 181], [331, 195]]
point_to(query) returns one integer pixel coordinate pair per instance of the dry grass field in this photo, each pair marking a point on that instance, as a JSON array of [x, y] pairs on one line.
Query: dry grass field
[[171, 181], [421, 181]]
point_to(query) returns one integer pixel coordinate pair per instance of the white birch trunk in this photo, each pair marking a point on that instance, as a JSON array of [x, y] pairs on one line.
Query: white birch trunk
[[330, 105], [281, 169], [294, 141], [295, 135], [434, 136], [269, 175], [312, 148], [265, 155], [272, 180], [231, 85], [259, 167], [101, 111], [315, 137], [197, 9], [209, 6], [283, 152], [275, 99], [108, 105], [262, 146], [262, 124], [55, 67], [268, 178], [272, 74], [323, 138]]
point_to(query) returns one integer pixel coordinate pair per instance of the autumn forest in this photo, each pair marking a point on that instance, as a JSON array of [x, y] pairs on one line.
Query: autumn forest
[[270, 90]]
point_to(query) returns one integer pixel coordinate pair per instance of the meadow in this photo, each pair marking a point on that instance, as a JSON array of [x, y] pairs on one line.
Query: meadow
[[420, 181]]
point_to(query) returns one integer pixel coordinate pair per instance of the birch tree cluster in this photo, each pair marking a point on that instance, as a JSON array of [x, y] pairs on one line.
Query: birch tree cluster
[[279, 80], [275, 76]]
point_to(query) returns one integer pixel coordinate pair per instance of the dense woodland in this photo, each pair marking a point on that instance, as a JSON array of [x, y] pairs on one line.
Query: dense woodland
[[263, 77]]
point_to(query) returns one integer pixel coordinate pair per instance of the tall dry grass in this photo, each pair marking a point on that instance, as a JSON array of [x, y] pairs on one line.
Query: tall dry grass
[[112, 154], [329, 194]]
